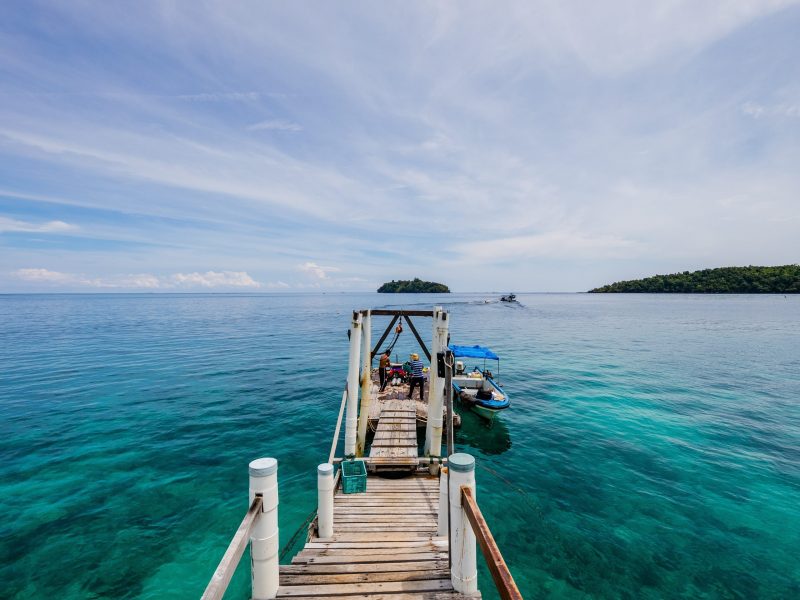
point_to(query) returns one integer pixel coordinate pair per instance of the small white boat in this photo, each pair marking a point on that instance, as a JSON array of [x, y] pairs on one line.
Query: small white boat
[[477, 388]]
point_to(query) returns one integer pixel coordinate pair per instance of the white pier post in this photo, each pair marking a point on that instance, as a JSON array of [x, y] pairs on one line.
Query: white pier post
[[463, 551], [443, 516], [325, 500], [264, 535], [433, 430], [366, 382], [351, 421]]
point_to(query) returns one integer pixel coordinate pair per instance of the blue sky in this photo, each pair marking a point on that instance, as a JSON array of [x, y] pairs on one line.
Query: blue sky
[[275, 146]]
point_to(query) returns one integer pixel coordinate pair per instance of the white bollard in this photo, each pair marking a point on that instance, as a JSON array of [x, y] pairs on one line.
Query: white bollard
[[264, 546], [351, 420], [325, 500], [443, 517], [463, 557], [366, 382]]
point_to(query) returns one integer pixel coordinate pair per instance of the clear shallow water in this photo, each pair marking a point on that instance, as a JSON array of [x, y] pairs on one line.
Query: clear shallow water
[[652, 449]]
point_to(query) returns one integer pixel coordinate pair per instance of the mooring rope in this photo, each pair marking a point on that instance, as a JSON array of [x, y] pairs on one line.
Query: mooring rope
[[532, 503], [304, 527]]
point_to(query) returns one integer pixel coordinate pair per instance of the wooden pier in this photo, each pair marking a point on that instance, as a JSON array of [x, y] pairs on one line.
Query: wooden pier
[[384, 543], [392, 541]]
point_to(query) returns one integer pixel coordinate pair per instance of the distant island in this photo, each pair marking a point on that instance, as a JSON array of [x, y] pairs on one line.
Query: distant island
[[415, 286], [726, 280]]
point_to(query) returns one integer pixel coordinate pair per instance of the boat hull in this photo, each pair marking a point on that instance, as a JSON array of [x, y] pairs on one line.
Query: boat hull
[[486, 409]]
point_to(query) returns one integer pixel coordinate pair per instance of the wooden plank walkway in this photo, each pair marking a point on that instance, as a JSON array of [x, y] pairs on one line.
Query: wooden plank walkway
[[395, 440], [384, 546]]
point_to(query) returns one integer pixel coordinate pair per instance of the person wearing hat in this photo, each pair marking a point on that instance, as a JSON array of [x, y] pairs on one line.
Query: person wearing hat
[[383, 366], [416, 376]]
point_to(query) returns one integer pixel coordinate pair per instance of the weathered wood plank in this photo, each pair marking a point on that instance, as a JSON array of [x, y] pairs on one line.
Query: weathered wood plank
[[389, 587], [389, 536], [393, 545], [451, 595], [383, 567], [309, 551], [359, 558], [316, 579]]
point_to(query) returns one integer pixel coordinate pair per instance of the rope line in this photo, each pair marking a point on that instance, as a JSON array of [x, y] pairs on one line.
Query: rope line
[[290, 544]]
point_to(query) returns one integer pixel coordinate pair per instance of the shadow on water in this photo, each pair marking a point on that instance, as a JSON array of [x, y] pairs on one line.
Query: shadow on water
[[476, 432]]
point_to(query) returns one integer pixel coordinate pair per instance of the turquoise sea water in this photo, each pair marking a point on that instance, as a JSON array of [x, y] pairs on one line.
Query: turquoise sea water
[[652, 449]]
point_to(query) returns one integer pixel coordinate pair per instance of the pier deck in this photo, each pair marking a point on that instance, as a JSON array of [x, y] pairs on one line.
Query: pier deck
[[395, 441], [384, 545], [393, 394]]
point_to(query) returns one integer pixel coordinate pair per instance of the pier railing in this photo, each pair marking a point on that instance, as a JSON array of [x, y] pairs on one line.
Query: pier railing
[[230, 560], [503, 581]]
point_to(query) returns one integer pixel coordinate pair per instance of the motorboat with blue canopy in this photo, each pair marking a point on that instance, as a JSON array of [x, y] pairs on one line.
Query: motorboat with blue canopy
[[477, 388]]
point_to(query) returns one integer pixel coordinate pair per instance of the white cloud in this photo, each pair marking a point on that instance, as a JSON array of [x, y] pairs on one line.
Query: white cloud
[[277, 285], [275, 125], [209, 279], [213, 279], [44, 275], [756, 110], [316, 270], [222, 97], [7, 224], [554, 244]]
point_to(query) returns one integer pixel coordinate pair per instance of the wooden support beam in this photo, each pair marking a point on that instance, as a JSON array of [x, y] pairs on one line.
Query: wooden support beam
[[385, 312], [419, 339], [384, 336], [503, 580], [230, 560]]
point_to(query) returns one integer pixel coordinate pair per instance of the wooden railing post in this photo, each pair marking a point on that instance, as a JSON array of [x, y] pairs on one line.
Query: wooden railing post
[[463, 567], [264, 546]]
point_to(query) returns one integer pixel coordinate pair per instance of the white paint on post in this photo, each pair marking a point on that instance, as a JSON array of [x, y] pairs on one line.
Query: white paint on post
[[463, 549], [443, 516], [433, 430], [351, 420], [264, 545], [325, 500], [366, 382]]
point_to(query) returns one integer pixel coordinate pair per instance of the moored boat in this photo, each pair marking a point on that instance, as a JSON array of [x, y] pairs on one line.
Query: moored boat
[[477, 389]]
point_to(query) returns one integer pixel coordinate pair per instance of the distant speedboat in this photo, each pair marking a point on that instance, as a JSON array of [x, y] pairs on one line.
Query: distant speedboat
[[508, 298], [477, 388]]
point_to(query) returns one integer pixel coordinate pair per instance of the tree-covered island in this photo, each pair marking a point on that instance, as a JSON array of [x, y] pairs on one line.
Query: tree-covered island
[[726, 280], [415, 286]]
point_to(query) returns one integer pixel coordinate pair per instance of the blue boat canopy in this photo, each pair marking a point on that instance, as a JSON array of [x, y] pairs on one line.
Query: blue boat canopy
[[473, 352]]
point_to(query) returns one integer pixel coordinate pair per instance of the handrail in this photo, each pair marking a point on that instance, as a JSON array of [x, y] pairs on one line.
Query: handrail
[[230, 560], [338, 425], [503, 580]]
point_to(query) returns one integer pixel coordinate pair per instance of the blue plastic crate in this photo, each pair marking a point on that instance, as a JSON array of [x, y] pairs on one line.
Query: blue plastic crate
[[354, 477]]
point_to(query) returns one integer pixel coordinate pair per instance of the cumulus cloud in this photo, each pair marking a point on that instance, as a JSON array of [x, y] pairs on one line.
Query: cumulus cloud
[[7, 224], [316, 270], [212, 279]]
